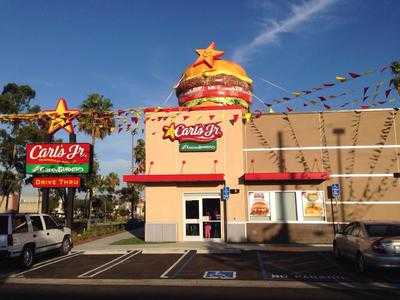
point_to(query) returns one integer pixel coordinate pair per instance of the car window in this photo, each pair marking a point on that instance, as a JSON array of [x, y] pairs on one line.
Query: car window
[[356, 231], [19, 224], [50, 224], [349, 229], [3, 224], [383, 230], [36, 223]]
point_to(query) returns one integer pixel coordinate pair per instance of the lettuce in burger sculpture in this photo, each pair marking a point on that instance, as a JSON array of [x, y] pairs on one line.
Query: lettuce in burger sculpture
[[211, 81]]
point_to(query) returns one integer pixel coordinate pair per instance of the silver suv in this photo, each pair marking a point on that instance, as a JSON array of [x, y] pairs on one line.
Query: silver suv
[[28, 235]]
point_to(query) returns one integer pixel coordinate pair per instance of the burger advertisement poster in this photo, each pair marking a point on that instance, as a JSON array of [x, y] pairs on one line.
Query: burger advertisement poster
[[194, 138], [259, 206], [313, 203], [58, 158]]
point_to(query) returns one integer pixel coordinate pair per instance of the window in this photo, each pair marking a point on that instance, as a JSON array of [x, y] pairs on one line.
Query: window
[[383, 230], [50, 224], [286, 206], [357, 230], [19, 224], [349, 229], [36, 223], [3, 224]]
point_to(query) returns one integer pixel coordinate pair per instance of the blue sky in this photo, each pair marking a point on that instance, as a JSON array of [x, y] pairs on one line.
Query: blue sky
[[134, 51]]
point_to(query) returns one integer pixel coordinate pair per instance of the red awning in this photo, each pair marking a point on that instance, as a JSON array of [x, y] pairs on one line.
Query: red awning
[[287, 176], [173, 178]]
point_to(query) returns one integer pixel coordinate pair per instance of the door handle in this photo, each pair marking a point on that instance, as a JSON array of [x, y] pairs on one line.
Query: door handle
[[34, 235], [48, 233]]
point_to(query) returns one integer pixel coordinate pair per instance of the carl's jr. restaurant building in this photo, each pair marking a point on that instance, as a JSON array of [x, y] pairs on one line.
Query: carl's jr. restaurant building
[[277, 166]]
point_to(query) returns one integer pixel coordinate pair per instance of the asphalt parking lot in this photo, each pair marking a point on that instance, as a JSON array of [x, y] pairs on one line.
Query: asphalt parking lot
[[315, 266]]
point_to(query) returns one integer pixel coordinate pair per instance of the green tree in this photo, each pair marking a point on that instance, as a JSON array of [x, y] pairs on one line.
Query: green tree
[[139, 153], [130, 193], [16, 99], [110, 183], [395, 67], [97, 122]]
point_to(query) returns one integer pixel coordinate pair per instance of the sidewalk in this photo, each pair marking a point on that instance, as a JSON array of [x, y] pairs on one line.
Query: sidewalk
[[104, 246]]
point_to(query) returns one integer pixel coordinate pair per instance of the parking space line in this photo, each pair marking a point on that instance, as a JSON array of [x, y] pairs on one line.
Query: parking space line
[[104, 265], [164, 275], [189, 255], [261, 265], [48, 263], [110, 265]]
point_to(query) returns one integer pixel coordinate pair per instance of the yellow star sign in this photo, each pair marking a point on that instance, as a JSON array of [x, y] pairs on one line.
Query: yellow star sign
[[208, 55], [169, 132], [61, 117]]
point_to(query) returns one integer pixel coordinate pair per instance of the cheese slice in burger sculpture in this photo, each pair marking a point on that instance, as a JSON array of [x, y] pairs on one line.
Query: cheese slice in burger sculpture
[[212, 81]]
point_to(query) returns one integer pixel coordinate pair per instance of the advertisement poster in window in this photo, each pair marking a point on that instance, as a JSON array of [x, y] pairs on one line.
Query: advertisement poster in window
[[313, 204], [259, 206]]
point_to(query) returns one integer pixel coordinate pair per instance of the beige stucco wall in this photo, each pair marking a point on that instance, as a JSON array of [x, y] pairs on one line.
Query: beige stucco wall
[[164, 204]]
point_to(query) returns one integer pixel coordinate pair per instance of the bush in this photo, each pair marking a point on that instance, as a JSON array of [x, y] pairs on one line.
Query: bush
[[97, 231]]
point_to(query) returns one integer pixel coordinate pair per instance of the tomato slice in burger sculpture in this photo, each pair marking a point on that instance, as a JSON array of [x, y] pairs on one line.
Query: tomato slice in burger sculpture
[[211, 81]]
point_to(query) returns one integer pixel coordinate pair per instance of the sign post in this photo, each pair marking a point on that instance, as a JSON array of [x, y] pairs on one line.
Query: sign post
[[334, 192]]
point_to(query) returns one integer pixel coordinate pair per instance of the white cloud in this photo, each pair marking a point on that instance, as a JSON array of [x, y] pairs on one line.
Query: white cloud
[[299, 15]]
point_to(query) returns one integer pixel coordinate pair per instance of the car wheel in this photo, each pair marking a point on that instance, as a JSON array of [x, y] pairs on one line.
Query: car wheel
[[361, 264], [65, 246], [27, 257], [336, 252]]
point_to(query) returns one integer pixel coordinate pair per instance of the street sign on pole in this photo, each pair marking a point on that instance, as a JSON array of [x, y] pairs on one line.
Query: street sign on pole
[[226, 191], [335, 190]]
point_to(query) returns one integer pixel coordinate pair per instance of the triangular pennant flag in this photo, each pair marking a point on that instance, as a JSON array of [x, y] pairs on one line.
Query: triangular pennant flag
[[327, 106], [257, 114], [305, 104], [135, 120], [328, 84], [159, 118], [286, 98], [354, 75], [365, 98], [307, 92], [185, 118], [322, 98], [381, 102], [365, 90], [341, 78], [383, 69], [165, 118], [387, 93], [289, 109], [211, 117], [234, 119], [296, 94], [120, 111], [345, 104]]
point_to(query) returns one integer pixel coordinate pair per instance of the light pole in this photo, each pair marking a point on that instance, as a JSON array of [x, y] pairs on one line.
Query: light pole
[[338, 132]]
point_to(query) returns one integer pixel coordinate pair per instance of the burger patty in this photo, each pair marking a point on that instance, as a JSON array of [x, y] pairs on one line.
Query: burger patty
[[221, 79]]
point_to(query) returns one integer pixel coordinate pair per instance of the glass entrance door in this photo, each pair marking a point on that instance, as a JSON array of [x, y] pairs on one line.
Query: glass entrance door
[[211, 216], [193, 230]]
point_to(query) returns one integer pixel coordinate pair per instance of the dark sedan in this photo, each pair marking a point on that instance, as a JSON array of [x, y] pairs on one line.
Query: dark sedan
[[369, 244]]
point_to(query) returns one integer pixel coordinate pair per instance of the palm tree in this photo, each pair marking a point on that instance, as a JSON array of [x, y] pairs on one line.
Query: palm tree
[[110, 182], [139, 153], [97, 121], [395, 67]]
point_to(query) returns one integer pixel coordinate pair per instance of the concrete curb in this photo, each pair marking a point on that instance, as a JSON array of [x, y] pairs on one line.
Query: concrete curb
[[203, 283]]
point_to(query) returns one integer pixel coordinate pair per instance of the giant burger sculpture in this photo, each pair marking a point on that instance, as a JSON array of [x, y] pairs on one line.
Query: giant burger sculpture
[[211, 81]]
